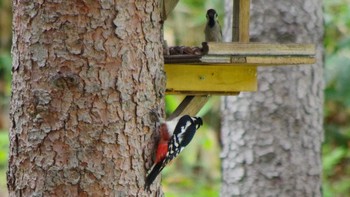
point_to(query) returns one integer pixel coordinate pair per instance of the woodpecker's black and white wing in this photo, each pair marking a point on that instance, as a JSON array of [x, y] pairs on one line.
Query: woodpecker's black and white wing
[[183, 135]]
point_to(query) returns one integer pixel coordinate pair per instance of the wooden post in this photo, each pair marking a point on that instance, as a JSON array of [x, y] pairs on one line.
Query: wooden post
[[240, 21], [190, 105], [235, 21], [244, 19]]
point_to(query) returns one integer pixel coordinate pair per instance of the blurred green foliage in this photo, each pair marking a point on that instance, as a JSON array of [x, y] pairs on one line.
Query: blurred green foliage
[[185, 25], [5, 76], [336, 154], [5, 87], [197, 170], [4, 147], [5, 58]]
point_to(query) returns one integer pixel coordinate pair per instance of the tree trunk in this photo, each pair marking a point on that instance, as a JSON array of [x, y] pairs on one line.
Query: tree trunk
[[85, 76], [272, 138]]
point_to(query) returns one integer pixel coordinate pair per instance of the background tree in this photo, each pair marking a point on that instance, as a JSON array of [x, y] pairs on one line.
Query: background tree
[[272, 138], [85, 77]]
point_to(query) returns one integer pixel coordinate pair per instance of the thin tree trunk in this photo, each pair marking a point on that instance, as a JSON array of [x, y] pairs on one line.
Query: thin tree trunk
[[85, 76], [272, 138]]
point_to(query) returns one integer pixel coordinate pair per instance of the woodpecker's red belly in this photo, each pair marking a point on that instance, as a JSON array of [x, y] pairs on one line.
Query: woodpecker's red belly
[[161, 151]]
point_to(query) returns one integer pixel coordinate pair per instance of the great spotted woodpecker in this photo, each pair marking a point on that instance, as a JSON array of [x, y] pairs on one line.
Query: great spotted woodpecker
[[212, 29], [172, 141]]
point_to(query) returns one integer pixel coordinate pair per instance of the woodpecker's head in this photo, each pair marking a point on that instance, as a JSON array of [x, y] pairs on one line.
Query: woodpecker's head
[[197, 121], [211, 17]]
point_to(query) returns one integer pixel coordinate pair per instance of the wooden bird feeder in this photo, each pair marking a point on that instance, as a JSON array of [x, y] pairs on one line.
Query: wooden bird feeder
[[227, 68]]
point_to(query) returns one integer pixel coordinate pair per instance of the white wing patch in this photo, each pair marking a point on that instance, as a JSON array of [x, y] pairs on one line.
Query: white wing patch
[[183, 130]]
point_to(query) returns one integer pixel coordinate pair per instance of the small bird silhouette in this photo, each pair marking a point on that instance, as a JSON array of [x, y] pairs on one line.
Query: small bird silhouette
[[212, 29]]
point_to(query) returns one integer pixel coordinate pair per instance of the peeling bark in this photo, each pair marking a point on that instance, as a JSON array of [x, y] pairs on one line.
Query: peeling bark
[[272, 138], [85, 76]]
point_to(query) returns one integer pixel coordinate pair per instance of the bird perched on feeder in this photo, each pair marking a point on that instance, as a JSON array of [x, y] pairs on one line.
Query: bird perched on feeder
[[212, 29]]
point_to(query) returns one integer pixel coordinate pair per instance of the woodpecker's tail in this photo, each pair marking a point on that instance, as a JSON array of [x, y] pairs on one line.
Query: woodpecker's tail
[[156, 169]]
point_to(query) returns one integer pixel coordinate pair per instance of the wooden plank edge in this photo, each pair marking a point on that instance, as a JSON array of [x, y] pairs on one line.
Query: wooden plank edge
[[200, 93], [173, 59], [258, 60], [280, 60], [227, 48]]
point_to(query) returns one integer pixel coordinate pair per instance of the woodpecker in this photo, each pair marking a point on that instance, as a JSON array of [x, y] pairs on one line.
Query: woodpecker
[[169, 147], [212, 29]]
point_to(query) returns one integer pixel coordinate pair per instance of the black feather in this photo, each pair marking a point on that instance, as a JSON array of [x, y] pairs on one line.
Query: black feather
[[153, 175]]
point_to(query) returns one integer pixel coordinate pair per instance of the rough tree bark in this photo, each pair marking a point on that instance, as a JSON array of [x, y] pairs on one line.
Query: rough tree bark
[[85, 76], [272, 138]]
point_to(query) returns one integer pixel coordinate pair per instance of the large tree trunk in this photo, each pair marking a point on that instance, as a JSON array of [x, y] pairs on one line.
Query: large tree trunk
[[85, 76], [272, 138]]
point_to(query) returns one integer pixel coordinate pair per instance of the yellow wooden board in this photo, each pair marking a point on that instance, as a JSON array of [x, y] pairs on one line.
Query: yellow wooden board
[[223, 79]]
